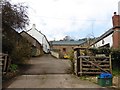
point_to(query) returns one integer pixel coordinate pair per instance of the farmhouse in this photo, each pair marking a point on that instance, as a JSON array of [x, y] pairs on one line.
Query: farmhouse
[[41, 38], [110, 38]]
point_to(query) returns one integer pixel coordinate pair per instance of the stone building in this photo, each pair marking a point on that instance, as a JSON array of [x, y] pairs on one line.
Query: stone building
[[36, 47], [64, 47]]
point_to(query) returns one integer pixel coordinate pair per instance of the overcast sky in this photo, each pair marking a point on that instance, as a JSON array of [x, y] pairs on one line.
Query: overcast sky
[[75, 18]]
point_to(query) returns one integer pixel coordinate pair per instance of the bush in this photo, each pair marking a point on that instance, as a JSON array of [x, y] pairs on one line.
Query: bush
[[71, 55], [105, 51], [71, 58], [115, 55], [21, 53], [7, 45], [15, 46], [13, 67]]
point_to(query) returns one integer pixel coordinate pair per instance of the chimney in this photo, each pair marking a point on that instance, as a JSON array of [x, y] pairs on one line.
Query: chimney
[[34, 26], [116, 20], [119, 8], [116, 28]]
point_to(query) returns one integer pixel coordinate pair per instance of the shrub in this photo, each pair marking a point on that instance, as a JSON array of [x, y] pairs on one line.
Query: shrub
[[115, 55], [105, 51], [13, 67], [15, 46], [71, 58], [71, 55], [21, 53], [7, 45]]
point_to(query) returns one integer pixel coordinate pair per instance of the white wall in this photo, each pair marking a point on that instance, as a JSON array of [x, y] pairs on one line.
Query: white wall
[[107, 40], [46, 45], [40, 38], [34, 33], [55, 54]]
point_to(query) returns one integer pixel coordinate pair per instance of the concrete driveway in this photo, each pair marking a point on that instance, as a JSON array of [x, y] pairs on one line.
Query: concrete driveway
[[49, 72], [47, 65]]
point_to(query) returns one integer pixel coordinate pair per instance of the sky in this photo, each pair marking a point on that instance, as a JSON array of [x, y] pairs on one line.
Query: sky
[[75, 18]]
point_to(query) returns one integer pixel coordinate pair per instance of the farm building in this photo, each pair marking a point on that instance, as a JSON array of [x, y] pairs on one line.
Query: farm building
[[64, 47], [41, 38], [36, 49]]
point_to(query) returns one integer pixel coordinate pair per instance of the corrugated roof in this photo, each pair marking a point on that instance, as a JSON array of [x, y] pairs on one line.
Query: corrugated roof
[[67, 42]]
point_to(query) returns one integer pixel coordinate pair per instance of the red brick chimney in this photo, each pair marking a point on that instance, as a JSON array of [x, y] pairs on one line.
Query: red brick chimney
[[116, 20], [116, 28]]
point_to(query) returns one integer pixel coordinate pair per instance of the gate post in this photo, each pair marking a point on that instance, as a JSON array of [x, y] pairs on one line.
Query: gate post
[[78, 62]]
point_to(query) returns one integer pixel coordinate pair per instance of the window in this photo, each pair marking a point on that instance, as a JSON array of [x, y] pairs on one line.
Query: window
[[64, 49], [103, 41]]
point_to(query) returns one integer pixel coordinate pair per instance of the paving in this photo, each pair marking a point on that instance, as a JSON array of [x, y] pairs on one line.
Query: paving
[[49, 72]]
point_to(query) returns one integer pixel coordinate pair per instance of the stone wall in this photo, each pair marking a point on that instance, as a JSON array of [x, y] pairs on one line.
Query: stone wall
[[55, 54]]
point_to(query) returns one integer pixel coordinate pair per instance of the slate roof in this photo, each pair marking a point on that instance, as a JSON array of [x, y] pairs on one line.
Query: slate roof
[[40, 33], [75, 43]]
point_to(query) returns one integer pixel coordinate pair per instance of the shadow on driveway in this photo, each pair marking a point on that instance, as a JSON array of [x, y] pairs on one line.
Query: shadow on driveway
[[46, 65]]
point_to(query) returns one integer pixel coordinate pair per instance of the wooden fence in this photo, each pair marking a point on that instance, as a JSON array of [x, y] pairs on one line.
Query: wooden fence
[[85, 64], [5, 62]]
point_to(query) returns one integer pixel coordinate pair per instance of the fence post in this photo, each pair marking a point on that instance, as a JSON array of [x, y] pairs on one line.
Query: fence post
[[78, 62], [80, 66], [5, 62], [110, 63], [1, 71]]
